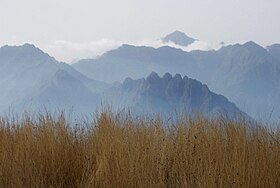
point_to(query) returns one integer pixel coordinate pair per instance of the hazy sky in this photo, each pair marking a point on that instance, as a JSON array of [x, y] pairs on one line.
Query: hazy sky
[[83, 24]]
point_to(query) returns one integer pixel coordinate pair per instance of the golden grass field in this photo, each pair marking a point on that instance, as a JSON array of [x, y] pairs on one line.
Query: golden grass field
[[127, 152]]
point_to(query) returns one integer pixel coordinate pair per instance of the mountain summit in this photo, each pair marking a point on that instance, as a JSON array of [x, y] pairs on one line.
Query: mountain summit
[[30, 80], [169, 94], [179, 38]]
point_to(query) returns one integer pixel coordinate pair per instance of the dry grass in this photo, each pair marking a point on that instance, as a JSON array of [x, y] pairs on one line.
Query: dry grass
[[122, 152]]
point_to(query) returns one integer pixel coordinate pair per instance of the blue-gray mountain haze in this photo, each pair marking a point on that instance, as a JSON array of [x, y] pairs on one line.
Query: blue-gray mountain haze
[[247, 74], [33, 80], [30, 79], [170, 96]]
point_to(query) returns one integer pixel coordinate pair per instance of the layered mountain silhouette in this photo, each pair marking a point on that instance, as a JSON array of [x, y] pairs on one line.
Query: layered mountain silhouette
[[31, 79], [179, 38], [136, 62], [248, 74], [170, 96]]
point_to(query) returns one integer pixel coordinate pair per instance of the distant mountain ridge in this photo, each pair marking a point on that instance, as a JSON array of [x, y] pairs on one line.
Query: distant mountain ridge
[[169, 95], [135, 62], [248, 74], [31, 79]]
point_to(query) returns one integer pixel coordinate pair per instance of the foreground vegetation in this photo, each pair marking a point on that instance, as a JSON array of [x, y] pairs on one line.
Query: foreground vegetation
[[114, 151]]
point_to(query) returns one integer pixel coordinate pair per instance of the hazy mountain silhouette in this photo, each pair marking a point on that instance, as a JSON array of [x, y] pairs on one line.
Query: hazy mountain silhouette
[[179, 38], [248, 74], [136, 62], [31, 79], [169, 95]]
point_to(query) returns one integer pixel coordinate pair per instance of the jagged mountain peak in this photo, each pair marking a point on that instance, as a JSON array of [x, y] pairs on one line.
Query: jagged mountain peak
[[178, 77], [128, 80], [167, 76], [165, 94], [153, 75]]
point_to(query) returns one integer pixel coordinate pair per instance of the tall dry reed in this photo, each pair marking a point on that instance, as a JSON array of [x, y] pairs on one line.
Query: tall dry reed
[[125, 152]]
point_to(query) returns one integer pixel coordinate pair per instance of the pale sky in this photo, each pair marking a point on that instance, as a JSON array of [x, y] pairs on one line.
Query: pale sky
[[92, 25]]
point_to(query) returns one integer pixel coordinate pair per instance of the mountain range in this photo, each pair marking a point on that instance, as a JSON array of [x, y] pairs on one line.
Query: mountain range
[[248, 74], [32, 80], [170, 96]]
